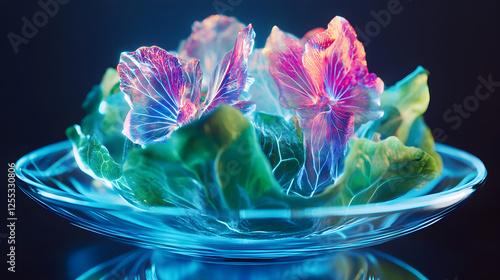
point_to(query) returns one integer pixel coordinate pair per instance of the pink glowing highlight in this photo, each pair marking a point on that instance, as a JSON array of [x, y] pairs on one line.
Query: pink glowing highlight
[[325, 80]]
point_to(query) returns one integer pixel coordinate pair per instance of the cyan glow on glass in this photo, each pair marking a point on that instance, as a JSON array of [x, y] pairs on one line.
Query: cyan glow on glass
[[74, 195], [144, 264], [443, 199]]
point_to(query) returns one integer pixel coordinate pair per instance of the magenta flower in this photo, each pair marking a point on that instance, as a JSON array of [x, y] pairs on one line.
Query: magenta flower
[[164, 92], [327, 84]]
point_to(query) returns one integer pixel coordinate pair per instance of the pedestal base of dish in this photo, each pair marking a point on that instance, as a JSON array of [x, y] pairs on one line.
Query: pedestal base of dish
[[356, 264]]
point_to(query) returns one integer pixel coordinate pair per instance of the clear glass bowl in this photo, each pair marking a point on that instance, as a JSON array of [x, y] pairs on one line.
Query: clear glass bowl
[[51, 176]]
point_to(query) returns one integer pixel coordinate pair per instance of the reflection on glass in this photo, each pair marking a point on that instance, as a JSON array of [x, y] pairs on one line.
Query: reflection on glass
[[354, 264]]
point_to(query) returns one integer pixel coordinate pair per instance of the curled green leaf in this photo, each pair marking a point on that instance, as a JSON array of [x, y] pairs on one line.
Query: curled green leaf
[[409, 98], [92, 156], [404, 105], [218, 153], [106, 111], [381, 171]]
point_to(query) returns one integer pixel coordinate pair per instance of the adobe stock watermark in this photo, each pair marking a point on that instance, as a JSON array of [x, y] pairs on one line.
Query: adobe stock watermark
[[381, 20], [225, 6], [30, 27], [460, 111], [11, 219]]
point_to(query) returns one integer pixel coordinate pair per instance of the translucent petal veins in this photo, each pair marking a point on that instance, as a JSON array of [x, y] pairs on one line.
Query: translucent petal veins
[[152, 80], [292, 79], [323, 79], [311, 95], [190, 100], [164, 92], [209, 41], [325, 145], [328, 85], [336, 62], [193, 75], [231, 78]]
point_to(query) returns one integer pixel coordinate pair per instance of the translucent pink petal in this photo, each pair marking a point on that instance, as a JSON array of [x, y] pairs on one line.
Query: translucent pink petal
[[153, 83], [294, 85], [325, 145], [209, 41], [311, 33], [191, 96], [187, 112], [336, 63], [231, 77]]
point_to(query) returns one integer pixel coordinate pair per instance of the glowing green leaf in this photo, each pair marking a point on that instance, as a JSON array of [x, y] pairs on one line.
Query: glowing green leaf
[[281, 144], [410, 97], [92, 156], [219, 152], [380, 171]]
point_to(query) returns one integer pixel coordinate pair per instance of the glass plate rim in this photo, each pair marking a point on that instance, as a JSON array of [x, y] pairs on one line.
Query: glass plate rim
[[448, 197]]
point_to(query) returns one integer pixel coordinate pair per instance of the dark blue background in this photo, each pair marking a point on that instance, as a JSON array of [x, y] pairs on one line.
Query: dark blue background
[[43, 85]]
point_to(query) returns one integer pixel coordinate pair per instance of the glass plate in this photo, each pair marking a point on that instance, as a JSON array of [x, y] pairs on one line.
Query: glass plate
[[51, 176]]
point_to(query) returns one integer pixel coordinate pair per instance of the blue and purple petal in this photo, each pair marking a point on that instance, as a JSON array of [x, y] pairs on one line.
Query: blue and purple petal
[[231, 78], [153, 83], [325, 144], [190, 101]]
